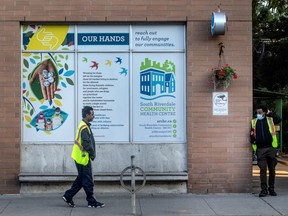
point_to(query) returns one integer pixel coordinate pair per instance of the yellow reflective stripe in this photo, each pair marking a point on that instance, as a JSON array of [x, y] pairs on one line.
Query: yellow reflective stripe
[[271, 125], [77, 140], [254, 126], [254, 123]]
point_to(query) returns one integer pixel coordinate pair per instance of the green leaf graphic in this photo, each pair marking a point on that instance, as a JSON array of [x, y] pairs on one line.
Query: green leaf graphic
[[31, 112], [69, 81], [58, 96], [26, 63]]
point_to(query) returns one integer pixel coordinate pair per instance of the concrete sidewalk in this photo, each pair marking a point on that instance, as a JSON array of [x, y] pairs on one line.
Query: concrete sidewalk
[[162, 204], [242, 204]]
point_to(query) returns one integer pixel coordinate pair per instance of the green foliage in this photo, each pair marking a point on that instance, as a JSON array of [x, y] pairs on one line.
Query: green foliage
[[270, 39]]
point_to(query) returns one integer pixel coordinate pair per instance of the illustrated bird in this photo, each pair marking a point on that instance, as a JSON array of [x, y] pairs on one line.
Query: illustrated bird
[[119, 60], [94, 65], [108, 63], [124, 71], [85, 59]]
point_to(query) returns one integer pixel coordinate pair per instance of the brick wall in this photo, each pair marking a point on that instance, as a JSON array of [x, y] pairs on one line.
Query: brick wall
[[219, 156], [9, 106]]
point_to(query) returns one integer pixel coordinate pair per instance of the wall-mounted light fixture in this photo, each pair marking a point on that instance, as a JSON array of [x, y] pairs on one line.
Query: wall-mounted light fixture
[[218, 22]]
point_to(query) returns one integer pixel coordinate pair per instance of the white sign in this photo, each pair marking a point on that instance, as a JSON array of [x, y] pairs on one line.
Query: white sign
[[103, 83], [158, 98], [158, 37], [220, 103]]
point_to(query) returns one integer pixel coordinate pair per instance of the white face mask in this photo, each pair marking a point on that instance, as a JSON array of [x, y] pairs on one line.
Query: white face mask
[[260, 116]]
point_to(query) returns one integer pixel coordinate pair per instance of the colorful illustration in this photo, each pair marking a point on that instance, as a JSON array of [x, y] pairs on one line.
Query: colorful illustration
[[96, 63], [44, 77], [44, 80], [47, 37], [46, 121], [157, 80]]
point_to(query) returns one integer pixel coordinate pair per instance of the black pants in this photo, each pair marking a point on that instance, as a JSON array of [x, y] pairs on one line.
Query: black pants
[[85, 180], [266, 157]]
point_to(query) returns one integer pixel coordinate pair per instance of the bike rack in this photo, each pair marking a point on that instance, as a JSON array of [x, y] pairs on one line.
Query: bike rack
[[132, 188]]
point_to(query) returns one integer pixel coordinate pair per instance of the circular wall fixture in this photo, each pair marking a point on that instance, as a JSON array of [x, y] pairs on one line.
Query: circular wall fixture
[[218, 23]]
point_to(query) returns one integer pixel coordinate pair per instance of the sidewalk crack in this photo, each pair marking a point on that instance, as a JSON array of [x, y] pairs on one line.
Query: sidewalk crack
[[271, 206], [5, 207]]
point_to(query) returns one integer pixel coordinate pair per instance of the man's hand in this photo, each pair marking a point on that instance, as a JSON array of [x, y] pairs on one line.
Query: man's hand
[[47, 77]]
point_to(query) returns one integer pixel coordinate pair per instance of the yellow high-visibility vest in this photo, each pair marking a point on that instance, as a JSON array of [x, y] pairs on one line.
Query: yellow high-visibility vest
[[78, 152], [271, 130]]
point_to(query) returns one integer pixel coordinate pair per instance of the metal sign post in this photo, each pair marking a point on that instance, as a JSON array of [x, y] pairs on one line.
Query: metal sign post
[[132, 189]]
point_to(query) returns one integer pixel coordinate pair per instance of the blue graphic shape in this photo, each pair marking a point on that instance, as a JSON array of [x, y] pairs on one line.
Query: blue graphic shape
[[172, 96], [156, 82], [96, 39], [118, 60], [124, 71]]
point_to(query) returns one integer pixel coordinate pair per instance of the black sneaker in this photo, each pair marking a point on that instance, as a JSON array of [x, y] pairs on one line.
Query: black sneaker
[[69, 202], [98, 204], [263, 193], [272, 193]]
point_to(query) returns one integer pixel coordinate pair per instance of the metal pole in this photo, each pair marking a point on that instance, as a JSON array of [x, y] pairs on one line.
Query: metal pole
[[132, 189], [133, 198]]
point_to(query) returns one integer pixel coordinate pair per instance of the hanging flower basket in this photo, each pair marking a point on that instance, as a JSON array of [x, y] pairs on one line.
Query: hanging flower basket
[[222, 77]]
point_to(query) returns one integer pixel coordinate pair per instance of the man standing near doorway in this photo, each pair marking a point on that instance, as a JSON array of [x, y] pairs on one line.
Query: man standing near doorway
[[264, 141], [83, 152]]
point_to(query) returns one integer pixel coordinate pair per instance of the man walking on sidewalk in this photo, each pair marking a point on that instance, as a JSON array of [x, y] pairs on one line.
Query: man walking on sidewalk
[[83, 152], [264, 142]]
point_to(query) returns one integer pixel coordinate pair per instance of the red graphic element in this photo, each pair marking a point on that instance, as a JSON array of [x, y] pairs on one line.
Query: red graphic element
[[95, 64]]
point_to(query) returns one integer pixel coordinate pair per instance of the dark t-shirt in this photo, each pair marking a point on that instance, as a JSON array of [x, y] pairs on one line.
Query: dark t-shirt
[[263, 136]]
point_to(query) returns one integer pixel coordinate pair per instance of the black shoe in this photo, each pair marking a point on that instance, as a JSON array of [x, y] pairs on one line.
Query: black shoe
[[69, 202], [272, 193], [263, 193], [96, 205]]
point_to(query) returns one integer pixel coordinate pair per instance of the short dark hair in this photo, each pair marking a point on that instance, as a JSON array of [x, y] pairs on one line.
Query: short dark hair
[[86, 111], [263, 107]]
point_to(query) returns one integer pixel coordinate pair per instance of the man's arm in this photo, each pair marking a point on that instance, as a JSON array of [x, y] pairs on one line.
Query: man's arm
[[276, 119], [87, 144]]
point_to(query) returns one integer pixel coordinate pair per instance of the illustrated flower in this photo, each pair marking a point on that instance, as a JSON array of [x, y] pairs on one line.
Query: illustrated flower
[[223, 76]]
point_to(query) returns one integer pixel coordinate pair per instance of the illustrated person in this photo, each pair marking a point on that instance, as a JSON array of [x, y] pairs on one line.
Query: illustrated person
[[47, 77], [49, 125], [83, 152], [264, 142], [57, 118], [41, 121]]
